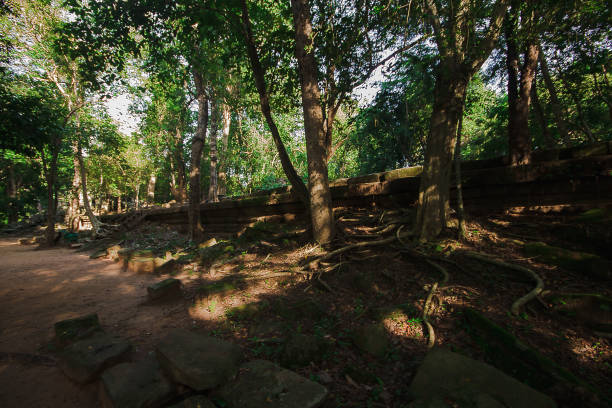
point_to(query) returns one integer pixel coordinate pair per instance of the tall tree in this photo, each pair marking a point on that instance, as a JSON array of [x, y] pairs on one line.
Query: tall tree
[[321, 212], [463, 47]]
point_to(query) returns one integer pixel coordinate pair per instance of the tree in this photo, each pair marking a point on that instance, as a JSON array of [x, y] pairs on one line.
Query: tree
[[463, 47]]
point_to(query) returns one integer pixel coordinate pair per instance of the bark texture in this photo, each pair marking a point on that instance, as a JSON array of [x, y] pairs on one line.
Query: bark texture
[[213, 192], [197, 144], [298, 188], [321, 212], [554, 99]]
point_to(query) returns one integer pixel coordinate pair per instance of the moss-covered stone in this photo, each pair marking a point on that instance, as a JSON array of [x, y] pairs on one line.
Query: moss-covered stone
[[404, 173], [207, 256], [513, 357], [166, 289], [371, 339], [301, 349], [303, 309], [141, 265], [594, 215], [112, 251], [591, 309], [166, 266], [582, 262], [244, 311], [360, 375], [71, 330], [98, 254], [208, 243]]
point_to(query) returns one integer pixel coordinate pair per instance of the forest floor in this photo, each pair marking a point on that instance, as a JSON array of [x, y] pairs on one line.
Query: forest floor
[[272, 311]]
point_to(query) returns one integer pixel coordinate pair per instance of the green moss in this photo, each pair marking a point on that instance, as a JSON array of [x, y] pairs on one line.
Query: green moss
[[403, 173], [516, 359], [572, 260], [68, 331], [593, 215], [243, 312], [218, 287]]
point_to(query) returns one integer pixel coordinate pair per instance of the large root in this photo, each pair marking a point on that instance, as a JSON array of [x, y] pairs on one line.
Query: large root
[[516, 306]]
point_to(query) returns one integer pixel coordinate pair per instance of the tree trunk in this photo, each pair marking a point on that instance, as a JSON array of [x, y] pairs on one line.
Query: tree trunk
[[548, 139], [213, 192], [584, 126], [460, 209], [226, 116], [95, 223], [137, 197], [181, 187], [73, 214], [298, 187], [434, 191], [119, 209], [151, 188], [197, 144], [519, 139], [321, 212], [51, 176], [12, 194], [554, 100], [512, 67]]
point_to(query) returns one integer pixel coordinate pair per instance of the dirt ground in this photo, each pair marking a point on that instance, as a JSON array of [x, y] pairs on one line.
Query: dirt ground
[[41, 287]]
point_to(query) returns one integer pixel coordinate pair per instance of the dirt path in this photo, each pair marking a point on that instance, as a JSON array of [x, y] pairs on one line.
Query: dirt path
[[41, 287]]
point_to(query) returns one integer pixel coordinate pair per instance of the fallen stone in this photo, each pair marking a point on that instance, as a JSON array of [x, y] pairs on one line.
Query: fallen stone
[[135, 385], [216, 292], [84, 360], [27, 241], [264, 384], [581, 262], [372, 339], [166, 289], [207, 243], [98, 254], [198, 361], [166, 265], [113, 252], [465, 381], [141, 265], [301, 349], [71, 330], [197, 401], [591, 309]]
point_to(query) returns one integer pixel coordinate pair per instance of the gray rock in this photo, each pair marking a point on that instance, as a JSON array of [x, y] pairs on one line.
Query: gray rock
[[371, 339], [448, 374], [264, 384], [85, 359], [197, 401], [71, 330], [135, 385], [198, 361], [167, 289], [301, 349]]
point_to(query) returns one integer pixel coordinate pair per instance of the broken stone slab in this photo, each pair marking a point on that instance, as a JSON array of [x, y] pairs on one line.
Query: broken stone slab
[[581, 262], [71, 330], [592, 309], [262, 383], [141, 265], [372, 339], [166, 265], [135, 385], [113, 252], [27, 241], [466, 381], [198, 361], [197, 401], [208, 243], [98, 254], [84, 360], [217, 291], [167, 289], [504, 351], [301, 349]]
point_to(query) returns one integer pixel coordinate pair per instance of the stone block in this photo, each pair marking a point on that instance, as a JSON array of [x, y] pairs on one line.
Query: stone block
[[166, 289], [84, 360], [264, 384], [197, 361], [71, 330]]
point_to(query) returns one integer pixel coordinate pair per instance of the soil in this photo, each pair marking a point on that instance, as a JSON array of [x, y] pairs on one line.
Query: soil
[[40, 287]]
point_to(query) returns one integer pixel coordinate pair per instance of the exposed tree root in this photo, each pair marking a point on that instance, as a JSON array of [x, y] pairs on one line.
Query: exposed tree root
[[441, 270], [515, 309], [430, 329]]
